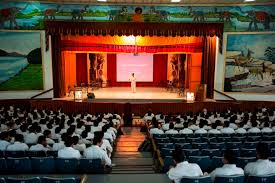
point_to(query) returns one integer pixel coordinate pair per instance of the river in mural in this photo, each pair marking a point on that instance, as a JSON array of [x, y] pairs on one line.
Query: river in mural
[[20, 61], [236, 18], [250, 63]]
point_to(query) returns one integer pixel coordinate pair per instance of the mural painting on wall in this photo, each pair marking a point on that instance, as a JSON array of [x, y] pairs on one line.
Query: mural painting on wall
[[236, 18], [176, 68], [20, 61], [250, 63]]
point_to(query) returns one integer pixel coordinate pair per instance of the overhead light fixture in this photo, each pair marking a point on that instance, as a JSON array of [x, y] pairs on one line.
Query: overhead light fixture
[[102, 0], [175, 1], [249, 0]]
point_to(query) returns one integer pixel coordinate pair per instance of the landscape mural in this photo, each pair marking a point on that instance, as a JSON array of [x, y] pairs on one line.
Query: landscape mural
[[250, 63], [20, 61], [31, 15]]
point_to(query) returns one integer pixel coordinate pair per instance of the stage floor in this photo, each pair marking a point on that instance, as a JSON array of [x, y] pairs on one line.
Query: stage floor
[[143, 94]]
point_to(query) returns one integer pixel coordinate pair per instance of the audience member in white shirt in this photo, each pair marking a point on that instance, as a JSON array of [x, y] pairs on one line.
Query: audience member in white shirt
[[31, 137], [186, 130], [96, 128], [166, 125], [266, 128], [4, 142], [155, 129], [229, 168], [78, 146], [214, 130], [41, 145], [263, 166], [226, 129], [161, 119], [69, 151], [201, 130], [149, 116], [60, 144], [240, 130], [95, 152], [178, 123], [182, 168], [48, 135], [56, 135], [254, 128], [18, 145], [171, 129]]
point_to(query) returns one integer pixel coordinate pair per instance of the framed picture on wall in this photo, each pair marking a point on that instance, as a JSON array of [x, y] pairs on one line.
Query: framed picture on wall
[[250, 63], [21, 61]]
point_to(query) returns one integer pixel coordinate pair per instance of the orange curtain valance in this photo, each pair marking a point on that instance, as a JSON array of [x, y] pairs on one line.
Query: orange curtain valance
[[133, 28]]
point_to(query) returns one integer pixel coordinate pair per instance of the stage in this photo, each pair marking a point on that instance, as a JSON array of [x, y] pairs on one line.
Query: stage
[[124, 94]]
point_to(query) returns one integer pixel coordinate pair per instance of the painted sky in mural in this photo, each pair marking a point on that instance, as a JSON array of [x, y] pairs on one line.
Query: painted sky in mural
[[250, 63], [236, 18]]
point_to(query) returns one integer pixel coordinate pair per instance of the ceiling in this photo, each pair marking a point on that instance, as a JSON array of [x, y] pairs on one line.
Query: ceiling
[[163, 2]]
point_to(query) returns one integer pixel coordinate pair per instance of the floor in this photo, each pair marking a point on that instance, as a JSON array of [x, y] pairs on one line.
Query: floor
[[124, 93]]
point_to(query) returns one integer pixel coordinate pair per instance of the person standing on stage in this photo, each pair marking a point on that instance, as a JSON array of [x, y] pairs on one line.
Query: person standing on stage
[[133, 83]]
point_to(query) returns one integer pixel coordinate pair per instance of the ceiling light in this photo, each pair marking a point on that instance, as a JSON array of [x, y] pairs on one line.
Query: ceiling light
[[175, 1], [102, 0], [249, 0]]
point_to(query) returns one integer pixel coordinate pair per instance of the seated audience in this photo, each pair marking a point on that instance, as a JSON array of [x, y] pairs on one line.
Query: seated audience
[[266, 128], [229, 168], [31, 137], [182, 168], [201, 130], [214, 129], [227, 129], [155, 129], [69, 151], [41, 145], [240, 129], [186, 130], [18, 145], [171, 129], [263, 166], [4, 142], [165, 126], [254, 128]]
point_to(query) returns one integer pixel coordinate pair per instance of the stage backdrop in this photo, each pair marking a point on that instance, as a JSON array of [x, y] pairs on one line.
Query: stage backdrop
[[20, 61]]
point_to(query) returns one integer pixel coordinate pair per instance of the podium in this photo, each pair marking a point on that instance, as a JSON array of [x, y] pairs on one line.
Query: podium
[[201, 93]]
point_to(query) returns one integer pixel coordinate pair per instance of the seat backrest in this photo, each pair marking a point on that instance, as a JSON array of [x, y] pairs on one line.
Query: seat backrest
[[168, 161], [43, 164], [15, 154], [23, 180], [204, 179], [243, 161], [64, 165], [203, 161], [216, 162], [91, 165], [229, 179], [261, 179], [36, 153], [58, 180], [19, 165], [3, 165], [2, 180]]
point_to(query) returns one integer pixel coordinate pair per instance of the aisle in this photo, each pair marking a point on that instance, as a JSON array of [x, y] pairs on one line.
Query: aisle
[[127, 158]]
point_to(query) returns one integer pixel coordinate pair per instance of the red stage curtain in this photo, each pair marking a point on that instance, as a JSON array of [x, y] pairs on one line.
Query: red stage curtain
[[81, 68], [160, 68], [111, 69], [58, 68], [208, 65]]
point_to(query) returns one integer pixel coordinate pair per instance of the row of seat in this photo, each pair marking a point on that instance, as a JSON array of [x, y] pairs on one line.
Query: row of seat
[[51, 165], [230, 179], [40, 180], [207, 163]]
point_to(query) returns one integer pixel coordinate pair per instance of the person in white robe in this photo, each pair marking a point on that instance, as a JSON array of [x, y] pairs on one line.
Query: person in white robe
[[133, 83]]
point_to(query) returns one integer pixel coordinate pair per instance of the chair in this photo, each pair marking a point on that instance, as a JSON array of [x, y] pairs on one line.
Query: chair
[[191, 152], [58, 180], [178, 135], [162, 140], [250, 145], [64, 165], [211, 152], [168, 161], [204, 179], [91, 166], [43, 164], [248, 152], [19, 165], [15, 154], [52, 153], [194, 140], [238, 139], [253, 138], [242, 161], [2, 154], [229, 179], [183, 145], [36, 153], [2, 180], [273, 152], [220, 145], [160, 136], [3, 165], [233, 145], [179, 140], [261, 179], [200, 145], [166, 152], [267, 137], [203, 161], [224, 139], [254, 134], [216, 162], [23, 180], [166, 145]]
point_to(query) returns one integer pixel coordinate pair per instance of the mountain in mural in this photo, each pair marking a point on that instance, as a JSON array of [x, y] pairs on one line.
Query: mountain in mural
[[11, 54]]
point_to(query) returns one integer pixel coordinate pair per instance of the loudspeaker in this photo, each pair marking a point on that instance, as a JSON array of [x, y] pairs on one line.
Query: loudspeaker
[[91, 96]]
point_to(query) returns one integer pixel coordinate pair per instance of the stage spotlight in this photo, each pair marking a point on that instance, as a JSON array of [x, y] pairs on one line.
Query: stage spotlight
[[190, 96]]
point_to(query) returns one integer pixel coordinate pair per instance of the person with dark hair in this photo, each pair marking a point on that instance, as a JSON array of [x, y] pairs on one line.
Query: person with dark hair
[[165, 126], [155, 129], [149, 116], [48, 135], [171, 129], [226, 129], [179, 123], [214, 129], [186, 130], [4, 142], [201, 130], [41, 145], [56, 134], [182, 168], [263, 166], [266, 128], [18, 145], [95, 152], [107, 135], [254, 128], [240, 128], [96, 127], [61, 143], [69, 151], [229, 168], [31, 137], [77, 145], [84, 138]]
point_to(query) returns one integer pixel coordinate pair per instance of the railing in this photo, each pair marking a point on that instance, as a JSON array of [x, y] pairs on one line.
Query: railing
[[219, 92], [39, 94]]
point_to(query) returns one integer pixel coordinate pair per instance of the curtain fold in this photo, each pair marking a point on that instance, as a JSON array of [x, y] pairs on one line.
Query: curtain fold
[[70, 71], [159, 69], [58, 67], [208, 65], [111, 68], [81, 69]]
